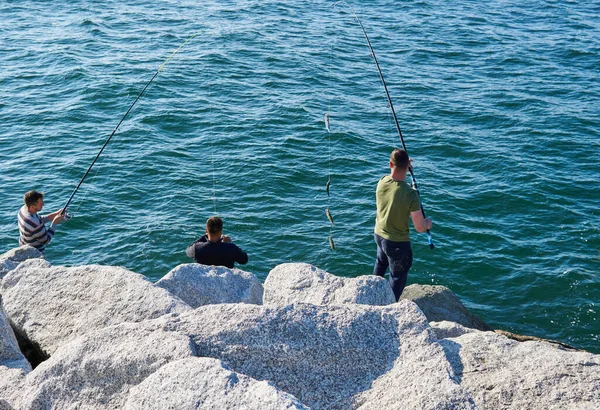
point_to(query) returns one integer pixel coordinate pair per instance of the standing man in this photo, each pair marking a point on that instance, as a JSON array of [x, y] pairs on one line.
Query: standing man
[[396, 201], [32, 228], [214, 248]]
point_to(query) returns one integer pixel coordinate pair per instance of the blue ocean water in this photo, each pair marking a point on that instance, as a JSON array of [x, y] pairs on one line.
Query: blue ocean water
[[499, 105]]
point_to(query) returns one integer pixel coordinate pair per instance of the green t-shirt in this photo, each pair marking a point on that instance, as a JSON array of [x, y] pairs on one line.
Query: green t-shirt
[[395, 201]]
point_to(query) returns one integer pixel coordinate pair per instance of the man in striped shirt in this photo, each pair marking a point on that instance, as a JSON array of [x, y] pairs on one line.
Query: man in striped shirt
[[32, 226]]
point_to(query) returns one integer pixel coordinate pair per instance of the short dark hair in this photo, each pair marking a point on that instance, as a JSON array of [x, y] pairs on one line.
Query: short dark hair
[[214, 224], [399, 158], [32, 197]]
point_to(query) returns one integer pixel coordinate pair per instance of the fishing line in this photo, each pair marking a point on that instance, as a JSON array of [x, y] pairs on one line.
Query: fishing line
[[327, 213], [64, 209], [328, 185], [212, 156], [391, 105], [85, 192]]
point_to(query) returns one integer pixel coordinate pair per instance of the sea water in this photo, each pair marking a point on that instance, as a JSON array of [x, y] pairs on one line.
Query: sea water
[[498, 102]]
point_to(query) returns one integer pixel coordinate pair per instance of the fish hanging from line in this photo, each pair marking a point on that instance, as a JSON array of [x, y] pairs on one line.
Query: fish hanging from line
[[331, 243], [327, 186], [327, 122], [329, 216]]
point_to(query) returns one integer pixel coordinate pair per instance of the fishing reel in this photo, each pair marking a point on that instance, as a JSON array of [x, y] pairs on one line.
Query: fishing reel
[[67, 216]]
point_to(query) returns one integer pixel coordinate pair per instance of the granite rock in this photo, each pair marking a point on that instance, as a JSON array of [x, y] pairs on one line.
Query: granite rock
[[199, 285], [52, 305], [421, 376], [204, 383], [325, 355], [13, 365], [9, 348], [12, 258], [445, 329], [96, 371], [440, 304], [501, 373], [301, 282], [4, 405]]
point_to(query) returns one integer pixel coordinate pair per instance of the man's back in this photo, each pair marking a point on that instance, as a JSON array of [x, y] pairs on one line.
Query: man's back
[[216, 253]]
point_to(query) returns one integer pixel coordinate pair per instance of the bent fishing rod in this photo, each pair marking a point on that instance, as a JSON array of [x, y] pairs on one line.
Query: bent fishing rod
[[64, 209], [389, 99]]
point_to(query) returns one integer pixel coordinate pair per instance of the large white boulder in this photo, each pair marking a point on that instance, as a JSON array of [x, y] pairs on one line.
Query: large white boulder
[[199, 285], [326, 356], [96, 371], [301, 282], [12, 258], [52, 305], [501, 373], [204, 383]]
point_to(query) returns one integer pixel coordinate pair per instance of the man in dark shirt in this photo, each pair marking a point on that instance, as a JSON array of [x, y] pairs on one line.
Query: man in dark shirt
[[214, 248]]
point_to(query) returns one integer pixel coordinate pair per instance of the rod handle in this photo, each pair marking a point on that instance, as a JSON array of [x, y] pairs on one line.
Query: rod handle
[[430, 240]]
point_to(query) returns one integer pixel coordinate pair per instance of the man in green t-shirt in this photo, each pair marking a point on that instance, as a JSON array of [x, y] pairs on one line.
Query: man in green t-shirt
[[396, 201]]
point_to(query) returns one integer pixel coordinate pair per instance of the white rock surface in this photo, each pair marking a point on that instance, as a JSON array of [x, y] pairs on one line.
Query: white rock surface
[[420, 378], [445, 329], [199, 285], [54, 305], [325, 355], [13, 365], [501, 373], [12, 258], [440, 304], [96, 371], [204, 383], [4, 405], [301, 282]]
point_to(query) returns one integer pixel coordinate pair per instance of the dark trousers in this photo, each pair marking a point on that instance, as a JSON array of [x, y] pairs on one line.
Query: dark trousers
[[398, 256]]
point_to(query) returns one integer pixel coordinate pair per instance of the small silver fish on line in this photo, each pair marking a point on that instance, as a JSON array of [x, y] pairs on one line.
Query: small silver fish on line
[[331, 243], [329, 216], [327, 186], [327, 122]]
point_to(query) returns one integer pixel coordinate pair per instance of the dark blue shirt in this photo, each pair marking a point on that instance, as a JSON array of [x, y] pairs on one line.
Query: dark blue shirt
[[216, 253]]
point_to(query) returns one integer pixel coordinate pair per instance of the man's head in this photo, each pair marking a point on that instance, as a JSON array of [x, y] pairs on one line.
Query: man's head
[[214, 225], [34, 201], [399, 159]]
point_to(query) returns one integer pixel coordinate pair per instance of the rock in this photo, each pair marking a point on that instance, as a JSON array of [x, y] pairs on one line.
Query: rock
[[301, 282], [199, 285], [96, 371], [445, 329], [525, 338], [54, 305], [504, 374], [9, 348], [326, 355], [440, 304], [420, 378], [13, 365], [14, 257], [203, 383], [4, 405]]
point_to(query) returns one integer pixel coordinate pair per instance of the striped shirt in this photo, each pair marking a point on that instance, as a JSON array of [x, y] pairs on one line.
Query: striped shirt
[[33, 231]]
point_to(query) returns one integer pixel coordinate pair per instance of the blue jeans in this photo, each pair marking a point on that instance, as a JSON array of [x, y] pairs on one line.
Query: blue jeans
[[398, 256]]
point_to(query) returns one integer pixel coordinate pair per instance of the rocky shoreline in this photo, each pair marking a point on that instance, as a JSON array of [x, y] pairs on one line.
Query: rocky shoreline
[[103, 337]]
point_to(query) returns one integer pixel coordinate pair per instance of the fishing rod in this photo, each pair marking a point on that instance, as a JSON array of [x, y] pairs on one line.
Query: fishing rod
[[387, 94], [64, 209]]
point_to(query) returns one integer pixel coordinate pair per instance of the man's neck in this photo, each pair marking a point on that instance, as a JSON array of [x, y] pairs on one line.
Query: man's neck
[[398, 175], [213, 237]]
